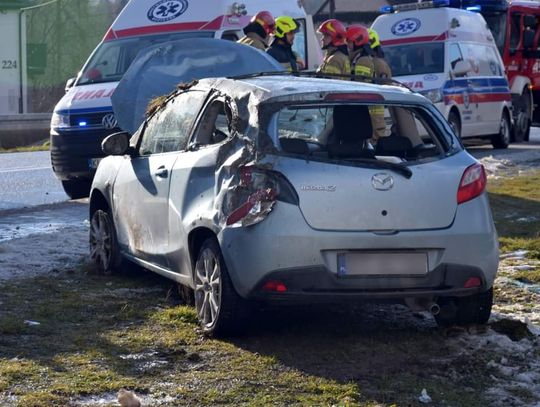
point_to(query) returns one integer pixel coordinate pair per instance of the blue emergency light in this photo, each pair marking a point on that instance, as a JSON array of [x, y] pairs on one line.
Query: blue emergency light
[[83, 124], [470, 5]]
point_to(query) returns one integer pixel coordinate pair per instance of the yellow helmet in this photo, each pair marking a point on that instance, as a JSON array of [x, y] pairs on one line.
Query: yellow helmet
[[374, 40], [284, 25]]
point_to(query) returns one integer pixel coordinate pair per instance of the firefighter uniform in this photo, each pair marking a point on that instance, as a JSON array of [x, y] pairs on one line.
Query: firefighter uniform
[[335, 62], [255, 40], [282, 52]]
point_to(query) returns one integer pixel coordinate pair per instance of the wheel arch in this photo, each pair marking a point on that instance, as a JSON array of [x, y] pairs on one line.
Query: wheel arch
[[196, 238], [98, 201]]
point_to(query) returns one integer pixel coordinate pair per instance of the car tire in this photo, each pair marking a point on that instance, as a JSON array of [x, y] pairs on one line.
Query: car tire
[[502, 138], [453, 120], [220, 310], [104, 249], [474, 309], [522, 121], [77, 189]]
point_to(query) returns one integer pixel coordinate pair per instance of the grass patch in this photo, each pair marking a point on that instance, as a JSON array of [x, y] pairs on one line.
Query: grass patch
[[45, 146], [100, 334], [516, 206]]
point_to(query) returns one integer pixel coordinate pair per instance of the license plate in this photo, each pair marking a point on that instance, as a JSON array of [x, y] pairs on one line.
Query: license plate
[[93, 162], [382, 264]]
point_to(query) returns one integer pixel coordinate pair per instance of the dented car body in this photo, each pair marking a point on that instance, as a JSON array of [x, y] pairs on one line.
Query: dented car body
[[273, 188]]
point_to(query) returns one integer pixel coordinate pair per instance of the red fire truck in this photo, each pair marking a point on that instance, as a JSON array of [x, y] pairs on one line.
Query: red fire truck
[[515, 26]]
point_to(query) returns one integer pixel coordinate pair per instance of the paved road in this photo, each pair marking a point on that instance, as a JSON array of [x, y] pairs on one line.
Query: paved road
[[27, 179]]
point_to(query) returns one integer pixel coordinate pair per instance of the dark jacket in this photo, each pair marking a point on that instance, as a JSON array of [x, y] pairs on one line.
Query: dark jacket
[[282, 52]]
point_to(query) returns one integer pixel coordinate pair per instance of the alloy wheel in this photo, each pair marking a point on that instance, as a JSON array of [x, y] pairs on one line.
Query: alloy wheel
[[208, 287], [101, 240]]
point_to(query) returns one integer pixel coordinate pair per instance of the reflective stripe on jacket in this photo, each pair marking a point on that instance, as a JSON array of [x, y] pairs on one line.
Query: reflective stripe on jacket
[[335, 62], [362, 67]]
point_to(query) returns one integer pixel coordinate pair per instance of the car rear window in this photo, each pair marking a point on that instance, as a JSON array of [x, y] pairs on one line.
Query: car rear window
[[346, 132]]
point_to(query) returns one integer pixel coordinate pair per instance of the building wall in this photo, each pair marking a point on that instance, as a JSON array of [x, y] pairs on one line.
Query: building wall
[[10, 63]]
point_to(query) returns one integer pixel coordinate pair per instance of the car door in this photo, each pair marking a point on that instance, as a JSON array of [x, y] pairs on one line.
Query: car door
[[141, 190], [193, 181]]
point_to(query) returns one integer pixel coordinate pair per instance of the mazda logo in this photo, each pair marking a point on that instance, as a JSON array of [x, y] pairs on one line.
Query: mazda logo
[[109, 121], [382, 181]]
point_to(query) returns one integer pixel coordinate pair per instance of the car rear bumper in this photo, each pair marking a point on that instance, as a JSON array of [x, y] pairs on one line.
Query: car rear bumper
[[71, 152], [284, 248]]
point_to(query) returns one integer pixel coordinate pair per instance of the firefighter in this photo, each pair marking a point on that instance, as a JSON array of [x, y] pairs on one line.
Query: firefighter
[[281, 47], [362, 67], [258, 30], [334, 43], [382, 69]]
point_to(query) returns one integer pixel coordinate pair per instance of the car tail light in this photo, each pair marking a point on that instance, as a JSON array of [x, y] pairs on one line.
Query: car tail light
[[472, 184], [255, 194], [472, 282], [350, 96], [274, 286]]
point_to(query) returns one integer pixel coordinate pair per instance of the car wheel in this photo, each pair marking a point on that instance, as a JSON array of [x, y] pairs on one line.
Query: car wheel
[[522, 122], [502, 139], [453, 120], [220, 310], [77, 189], [104, 250], [474, 309]]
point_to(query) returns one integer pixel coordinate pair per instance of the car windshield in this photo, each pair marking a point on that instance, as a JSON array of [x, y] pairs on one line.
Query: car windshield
[[389, 133], [112, 58], [415, 59]]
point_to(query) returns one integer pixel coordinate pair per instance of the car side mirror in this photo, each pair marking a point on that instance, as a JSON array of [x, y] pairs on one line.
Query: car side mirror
[[116, 143], [461, 68], [69, 83]]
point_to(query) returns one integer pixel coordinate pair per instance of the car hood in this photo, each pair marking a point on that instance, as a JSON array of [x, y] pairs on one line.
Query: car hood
[[158, 69]]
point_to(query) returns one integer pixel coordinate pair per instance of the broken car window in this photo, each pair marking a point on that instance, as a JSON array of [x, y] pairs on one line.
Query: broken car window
[[169, 129], [348, 132]]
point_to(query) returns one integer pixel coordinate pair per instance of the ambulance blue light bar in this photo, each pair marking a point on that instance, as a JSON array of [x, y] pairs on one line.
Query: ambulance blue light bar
[[414, 6]]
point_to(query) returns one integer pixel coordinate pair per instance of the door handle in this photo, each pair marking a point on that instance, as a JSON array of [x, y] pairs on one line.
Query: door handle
[[161, 172]]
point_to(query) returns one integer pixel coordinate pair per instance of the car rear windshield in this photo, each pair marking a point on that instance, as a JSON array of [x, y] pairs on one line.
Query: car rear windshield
[[392, 133], [415, 59], [112, 58]]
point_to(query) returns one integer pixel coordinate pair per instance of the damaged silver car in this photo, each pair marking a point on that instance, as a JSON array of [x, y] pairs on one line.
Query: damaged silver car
[[277, 188]]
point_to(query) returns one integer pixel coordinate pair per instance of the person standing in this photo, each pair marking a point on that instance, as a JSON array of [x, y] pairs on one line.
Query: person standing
[[281, 48], [334, 43], [362, 67], [382, 69], [258, 30]]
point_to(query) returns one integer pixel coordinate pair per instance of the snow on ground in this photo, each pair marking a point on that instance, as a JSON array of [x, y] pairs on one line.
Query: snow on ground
[[510, 163]]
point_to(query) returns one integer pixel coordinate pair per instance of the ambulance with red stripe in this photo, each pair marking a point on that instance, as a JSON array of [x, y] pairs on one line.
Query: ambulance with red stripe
[[84, 116], [450, 56]]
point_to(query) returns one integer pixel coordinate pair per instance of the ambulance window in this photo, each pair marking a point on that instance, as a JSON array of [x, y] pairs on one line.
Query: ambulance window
[[300, 40], [230, 36], [515, 31], [455, 55]]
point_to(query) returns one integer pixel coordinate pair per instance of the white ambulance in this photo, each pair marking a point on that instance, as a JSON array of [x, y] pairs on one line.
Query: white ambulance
[[449, 55], [84, 116]]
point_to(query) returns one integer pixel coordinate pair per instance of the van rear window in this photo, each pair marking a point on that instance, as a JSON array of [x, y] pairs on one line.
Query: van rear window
[[112, 58], [415, 59]]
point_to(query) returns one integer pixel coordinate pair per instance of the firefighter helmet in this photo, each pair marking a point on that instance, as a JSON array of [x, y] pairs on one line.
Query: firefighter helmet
[[374, 40], [265, 20], [358, 35], [284, 25], [335, 29]]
